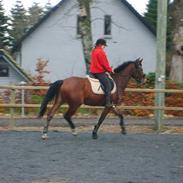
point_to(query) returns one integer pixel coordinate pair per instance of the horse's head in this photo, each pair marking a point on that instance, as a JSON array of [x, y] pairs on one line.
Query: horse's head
[[137, 72], [131, 69]]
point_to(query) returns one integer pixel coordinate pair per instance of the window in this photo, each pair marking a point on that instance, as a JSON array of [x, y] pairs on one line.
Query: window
[[78, 32], [107, 25], [4, 70]]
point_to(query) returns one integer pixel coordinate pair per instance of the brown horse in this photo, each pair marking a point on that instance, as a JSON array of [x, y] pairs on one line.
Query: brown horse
[[76, 91]]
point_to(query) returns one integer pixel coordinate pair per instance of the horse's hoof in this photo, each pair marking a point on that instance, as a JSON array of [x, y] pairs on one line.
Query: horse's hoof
[[74, 132], [44, 136], [94, 136]]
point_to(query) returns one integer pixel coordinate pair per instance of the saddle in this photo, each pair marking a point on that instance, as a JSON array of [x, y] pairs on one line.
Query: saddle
[[97, 87]]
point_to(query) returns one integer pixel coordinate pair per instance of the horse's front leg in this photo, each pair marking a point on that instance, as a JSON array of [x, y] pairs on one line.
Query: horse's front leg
[[67, 116], [101, 119], [120, 115]]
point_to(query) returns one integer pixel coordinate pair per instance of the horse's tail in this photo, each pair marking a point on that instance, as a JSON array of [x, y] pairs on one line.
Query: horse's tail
[[51, 93]]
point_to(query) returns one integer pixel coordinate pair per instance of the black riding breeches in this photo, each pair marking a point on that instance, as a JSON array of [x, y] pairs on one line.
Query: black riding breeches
[[105, 81]]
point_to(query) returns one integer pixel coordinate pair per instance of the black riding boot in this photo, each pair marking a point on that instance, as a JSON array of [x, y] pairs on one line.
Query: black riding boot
[[108, 102]]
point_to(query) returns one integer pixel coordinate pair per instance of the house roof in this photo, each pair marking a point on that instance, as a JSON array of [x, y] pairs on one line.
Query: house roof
[[140, 17], [32, 29], [6, 57]]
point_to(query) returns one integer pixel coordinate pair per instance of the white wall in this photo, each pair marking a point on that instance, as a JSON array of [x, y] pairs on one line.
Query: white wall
[[13, 78], [130, 38], [56, 40]]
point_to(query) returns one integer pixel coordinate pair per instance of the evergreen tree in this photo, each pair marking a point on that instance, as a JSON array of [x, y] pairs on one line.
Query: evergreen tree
[[47, 7], [4, 42], [18, 21], [35, 13], [151, 14]]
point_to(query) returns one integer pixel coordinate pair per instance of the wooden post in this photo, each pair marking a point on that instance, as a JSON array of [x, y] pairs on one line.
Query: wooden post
[[161, 60], [12, 112]]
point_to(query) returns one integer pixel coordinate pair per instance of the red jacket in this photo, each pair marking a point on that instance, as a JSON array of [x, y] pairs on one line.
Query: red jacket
[[99, 61]]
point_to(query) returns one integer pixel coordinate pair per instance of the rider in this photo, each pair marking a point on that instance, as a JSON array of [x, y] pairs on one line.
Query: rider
[[99, 66]]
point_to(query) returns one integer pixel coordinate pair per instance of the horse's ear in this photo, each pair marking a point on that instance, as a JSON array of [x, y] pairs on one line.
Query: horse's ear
[[140, 59]]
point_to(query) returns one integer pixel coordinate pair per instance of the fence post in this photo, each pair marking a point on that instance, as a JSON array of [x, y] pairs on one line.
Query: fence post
[[22, 83], [12, 110], [160, 62]]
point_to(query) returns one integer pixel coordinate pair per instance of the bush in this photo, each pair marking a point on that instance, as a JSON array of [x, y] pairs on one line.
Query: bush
[[150, 79]]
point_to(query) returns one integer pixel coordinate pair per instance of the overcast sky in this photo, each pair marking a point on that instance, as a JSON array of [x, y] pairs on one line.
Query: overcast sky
[[139, 5]]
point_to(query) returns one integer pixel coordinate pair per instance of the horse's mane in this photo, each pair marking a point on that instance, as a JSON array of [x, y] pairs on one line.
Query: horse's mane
[[122, 66]]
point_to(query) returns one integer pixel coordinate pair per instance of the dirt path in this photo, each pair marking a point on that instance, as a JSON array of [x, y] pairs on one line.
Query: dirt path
[[132, 129], [113, 158]]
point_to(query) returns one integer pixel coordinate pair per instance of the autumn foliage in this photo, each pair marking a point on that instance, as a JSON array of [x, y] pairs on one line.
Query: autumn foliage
[[39, 78], [147, 99]]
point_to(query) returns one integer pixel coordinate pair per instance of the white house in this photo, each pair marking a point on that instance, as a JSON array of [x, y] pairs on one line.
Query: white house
[[10, 72], [55, 38]]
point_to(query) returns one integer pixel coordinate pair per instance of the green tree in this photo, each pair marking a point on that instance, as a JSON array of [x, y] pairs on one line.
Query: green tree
[[47, 7], [151, 14], [4, 42], [35, 13], [18, 21], [151, 17]]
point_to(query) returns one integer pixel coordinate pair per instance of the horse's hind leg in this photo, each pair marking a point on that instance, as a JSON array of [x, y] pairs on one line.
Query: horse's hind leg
[[50, 116], [68, 117], [101, 119], [120, 115]]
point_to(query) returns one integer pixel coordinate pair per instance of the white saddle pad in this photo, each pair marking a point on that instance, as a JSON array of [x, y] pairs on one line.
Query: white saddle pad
[[96, 86]]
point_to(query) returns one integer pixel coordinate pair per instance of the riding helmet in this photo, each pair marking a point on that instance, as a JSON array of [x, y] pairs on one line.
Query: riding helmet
[[101, 42]]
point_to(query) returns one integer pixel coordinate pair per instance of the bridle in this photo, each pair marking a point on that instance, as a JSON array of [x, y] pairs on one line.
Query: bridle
[[138, 75]]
